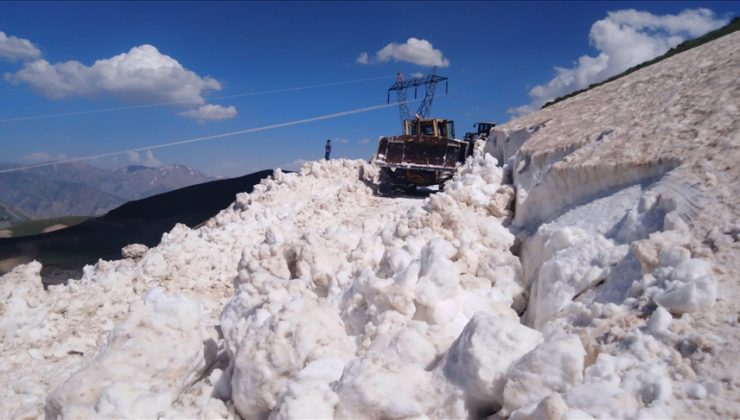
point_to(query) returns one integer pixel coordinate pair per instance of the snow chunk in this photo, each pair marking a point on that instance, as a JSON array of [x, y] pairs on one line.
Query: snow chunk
[[276, 348], [134, 251], [573, 261], [438, 278], [659, 321], [554, 366], [148, 360], [551, 408], [21, 295], [627, 385], [309, 395], [376, 386], [684, 284], [478, 360], [695, 391]]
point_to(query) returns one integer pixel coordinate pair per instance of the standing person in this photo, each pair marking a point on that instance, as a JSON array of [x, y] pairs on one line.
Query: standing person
[[327, 149]]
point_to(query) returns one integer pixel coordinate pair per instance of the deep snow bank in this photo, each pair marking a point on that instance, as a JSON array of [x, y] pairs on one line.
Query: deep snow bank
[[48, 336], [313, 298], [355, 320], [334, 289], [626, 201]]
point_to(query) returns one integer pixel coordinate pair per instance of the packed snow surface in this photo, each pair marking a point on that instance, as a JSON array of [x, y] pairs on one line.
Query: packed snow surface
[[602, 293]]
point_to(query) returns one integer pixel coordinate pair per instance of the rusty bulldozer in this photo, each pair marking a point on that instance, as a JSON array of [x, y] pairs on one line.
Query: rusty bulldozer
[[427, 152]]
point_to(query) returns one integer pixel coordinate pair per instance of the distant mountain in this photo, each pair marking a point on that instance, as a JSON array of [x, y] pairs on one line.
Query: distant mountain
[[42, 197], [74, 173], [141, 221], [82, 189], [130, 182], [135, 182]]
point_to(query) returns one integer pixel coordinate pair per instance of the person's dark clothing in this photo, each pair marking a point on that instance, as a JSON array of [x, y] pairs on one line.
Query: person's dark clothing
[[327, 150]]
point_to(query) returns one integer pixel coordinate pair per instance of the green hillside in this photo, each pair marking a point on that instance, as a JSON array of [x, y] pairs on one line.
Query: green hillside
[[11, 215], [34, 227]]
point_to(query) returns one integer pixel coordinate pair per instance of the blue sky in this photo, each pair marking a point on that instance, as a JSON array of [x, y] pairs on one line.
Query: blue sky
[[496, 53]]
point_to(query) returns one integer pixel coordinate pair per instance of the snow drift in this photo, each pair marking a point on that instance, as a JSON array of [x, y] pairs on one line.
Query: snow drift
[[579, 290]]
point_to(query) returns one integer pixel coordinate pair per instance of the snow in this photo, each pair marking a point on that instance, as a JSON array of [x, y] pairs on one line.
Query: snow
[[688, 284], [620, 220], [478, 361], [659, 321], [303, 334], [121, 381], [551, 407], [577, 261], [594, 285], [553, 367]]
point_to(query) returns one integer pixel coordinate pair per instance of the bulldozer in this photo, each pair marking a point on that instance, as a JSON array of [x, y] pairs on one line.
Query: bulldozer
[[427, 152], [484, 129]]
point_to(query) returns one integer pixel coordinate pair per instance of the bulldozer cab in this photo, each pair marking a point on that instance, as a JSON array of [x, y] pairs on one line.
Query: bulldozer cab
[[485, 127], [435, 127]]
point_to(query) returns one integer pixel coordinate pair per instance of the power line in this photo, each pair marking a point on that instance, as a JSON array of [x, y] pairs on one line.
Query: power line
[[204, 138], [124, 108], [474, 101], [265, 92]]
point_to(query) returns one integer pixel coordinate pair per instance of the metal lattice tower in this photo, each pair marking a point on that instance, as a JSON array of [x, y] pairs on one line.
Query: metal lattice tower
[[430, 84]]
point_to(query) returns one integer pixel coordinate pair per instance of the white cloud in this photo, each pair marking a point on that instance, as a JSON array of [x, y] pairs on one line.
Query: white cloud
[[363, 141], [693, 22], [17, 49], [416, 51], [150, 160], [341, 141], [293, 166], [142, 74], [147, 160], [43, 157], [624, 39], [417, 74], [211, 112]]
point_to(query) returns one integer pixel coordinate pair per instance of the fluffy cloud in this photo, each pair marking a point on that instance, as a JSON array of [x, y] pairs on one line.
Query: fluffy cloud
[[293, 166], [17, 49], [416, 51], [142, 74], [624, 39], [147, 159], [363, 58], [211, 112], [37, 157]]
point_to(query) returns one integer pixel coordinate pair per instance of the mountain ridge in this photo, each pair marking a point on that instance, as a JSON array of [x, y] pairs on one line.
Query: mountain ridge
[[81, 189], [139, 221]]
